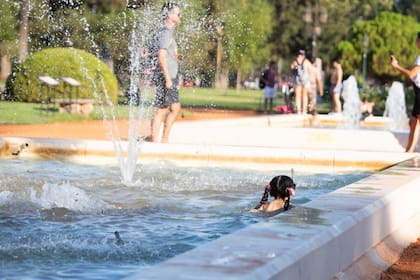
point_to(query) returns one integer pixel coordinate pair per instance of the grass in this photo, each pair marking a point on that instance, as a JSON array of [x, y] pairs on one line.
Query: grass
[[32, 113], [232, 99], [222, 99], [229, 99]]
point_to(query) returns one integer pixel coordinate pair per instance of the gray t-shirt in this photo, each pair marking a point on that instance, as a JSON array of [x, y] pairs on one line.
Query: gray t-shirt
[[167, 41]]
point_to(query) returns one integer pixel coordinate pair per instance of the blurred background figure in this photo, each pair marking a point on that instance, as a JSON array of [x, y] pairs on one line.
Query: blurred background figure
[[336, 85], [366, 109], [268, 78], [316, 83], [300, 68]]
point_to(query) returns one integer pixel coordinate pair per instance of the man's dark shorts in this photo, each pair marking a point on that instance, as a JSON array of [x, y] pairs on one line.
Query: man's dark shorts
[[165, 97]]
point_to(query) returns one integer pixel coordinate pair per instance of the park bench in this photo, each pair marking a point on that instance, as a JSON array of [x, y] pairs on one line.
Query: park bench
[[70, 101], [73, 104]]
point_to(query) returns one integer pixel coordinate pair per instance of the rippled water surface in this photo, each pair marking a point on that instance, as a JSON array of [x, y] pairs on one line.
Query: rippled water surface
[[58, 220]]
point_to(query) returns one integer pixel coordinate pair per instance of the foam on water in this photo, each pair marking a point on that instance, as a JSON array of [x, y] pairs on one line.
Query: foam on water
[[64, 195]]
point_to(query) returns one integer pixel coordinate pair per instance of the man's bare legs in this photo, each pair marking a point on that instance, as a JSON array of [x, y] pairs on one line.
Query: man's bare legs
[[301, 99], [414, 134], [311, 99], [298, 99], [174, 110], [157, 120], [336, 103], [304, 100], [162, 115]]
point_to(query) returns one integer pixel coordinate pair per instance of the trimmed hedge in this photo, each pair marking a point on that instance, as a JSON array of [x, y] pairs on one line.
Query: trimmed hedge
[[93, 74]]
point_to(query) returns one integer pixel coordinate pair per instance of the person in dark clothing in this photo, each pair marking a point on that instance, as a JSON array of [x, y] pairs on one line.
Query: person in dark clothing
[[268, 77], [167, 94]]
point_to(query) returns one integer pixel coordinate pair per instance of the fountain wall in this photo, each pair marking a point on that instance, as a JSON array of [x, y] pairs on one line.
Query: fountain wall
[[361, 228]]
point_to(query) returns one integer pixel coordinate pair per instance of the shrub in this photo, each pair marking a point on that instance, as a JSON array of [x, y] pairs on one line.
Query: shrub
[[94, 75]]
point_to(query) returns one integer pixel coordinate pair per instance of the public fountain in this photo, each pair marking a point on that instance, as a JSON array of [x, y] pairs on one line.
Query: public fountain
[[58, 219], [351, 106], [395, 114], [142, 20], [395, 108]]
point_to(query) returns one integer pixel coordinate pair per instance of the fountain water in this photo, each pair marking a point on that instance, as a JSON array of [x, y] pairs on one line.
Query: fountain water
[[140, 93], [145, 21], [351, 106], [59, 33], [395, 108], [63, 222], [52, 229]]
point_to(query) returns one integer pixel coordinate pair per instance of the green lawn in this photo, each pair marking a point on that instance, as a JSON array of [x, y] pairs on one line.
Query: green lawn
[[32, 113], [230, 99], [222, 99]]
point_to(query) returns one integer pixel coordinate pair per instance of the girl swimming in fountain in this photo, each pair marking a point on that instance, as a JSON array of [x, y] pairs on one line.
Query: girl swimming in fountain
[[282, 188]]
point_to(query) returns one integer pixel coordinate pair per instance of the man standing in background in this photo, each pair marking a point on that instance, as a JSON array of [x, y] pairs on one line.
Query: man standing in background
[[336, 85], [166, 77], [316, 83], [269, 78]]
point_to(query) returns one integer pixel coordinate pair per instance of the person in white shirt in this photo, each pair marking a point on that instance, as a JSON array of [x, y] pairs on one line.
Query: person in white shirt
[[414, 75]]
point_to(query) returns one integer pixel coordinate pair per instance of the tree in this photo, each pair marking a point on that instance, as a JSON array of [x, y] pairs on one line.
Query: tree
[[238, 31], [196, 42], [23, 30], [215, 25], [408, 7], [87, 25], [246, 36], [9, 11], [292, 33], [8, 25], [388, 33]]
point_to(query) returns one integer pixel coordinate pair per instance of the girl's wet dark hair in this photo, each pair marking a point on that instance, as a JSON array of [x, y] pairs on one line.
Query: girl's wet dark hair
[[278, 187]]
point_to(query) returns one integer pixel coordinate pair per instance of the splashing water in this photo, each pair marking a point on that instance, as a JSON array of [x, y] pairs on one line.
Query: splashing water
[[141, 91], [351, 106], [127, 154], [141, 21], [58, 219], [65, 195], [395, 108]]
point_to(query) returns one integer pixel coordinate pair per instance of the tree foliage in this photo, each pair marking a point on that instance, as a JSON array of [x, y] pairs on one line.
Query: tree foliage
[[254, 32], [388, 33], [94, 75], [248, 26], [9, 12], [241, 26], [408, 7], [291, 32]]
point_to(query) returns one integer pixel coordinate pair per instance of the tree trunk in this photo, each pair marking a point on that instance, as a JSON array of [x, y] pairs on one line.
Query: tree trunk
[[5, 68], [23, 30], [221, 75], [238, 80]]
